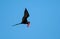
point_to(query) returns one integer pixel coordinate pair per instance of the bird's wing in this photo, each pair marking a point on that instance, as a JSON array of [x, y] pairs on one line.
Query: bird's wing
[[17, 24], [26, 15]]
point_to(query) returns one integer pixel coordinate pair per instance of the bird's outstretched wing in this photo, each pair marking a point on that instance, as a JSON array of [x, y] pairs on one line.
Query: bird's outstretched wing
[[16, 24], [26, 15]]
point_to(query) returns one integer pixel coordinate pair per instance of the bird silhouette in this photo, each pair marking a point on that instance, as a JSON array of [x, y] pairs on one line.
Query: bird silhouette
[[24, 19]]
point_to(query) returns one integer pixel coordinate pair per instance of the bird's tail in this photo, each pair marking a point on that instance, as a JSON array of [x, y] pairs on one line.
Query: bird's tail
[[16, 24]]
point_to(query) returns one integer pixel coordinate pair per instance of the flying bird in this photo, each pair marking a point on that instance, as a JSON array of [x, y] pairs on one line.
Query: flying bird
[[24, 19]]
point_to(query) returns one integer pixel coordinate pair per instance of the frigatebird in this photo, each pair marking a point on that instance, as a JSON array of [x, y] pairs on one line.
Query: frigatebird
[[24, 19]]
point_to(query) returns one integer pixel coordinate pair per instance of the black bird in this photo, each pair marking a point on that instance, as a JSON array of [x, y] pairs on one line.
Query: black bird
[[24, 19]]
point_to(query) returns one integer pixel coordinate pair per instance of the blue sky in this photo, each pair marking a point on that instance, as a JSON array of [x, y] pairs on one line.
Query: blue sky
[[44, 18]]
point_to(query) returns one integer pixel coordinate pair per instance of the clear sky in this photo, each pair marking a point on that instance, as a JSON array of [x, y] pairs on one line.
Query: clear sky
[[44, 19]]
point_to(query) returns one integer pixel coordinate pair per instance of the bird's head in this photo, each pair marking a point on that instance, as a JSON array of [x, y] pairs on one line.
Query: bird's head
[[28, 24]]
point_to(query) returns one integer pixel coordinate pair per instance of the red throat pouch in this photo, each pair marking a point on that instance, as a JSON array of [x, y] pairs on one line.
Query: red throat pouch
[[28, 24]]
